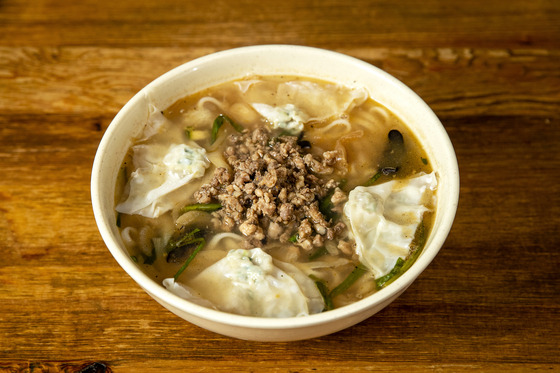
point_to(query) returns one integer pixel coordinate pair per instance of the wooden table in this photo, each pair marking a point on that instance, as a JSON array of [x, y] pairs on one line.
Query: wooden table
[[491, 71]]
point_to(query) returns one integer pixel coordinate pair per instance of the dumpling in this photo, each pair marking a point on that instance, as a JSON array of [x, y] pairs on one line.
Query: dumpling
[[160, 170], [383, 219], [315, 102], [287, 117], [320, 102], [251, 283]]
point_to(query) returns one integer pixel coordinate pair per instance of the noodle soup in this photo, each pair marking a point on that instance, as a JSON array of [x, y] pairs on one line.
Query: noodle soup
[[275, 196]]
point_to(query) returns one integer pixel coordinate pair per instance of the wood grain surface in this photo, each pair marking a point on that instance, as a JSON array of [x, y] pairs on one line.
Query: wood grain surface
[[490, 69]]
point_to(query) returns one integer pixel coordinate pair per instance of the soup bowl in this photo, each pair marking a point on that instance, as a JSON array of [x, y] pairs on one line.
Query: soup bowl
[[224, 66]]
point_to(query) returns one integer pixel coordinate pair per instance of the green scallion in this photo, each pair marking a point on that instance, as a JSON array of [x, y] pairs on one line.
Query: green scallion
[[201, 243], [358, 272], [324, 293], [207, 207], [294, 238], [183, 240], [390, 277], [373, 179], [188, 132], [403, 265], [218, 122], [326, 205]]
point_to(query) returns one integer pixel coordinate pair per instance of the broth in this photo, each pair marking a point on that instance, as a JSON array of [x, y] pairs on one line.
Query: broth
[[287, 172]]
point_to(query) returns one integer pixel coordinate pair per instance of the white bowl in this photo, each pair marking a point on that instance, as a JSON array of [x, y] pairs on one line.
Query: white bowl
[[274, 60]]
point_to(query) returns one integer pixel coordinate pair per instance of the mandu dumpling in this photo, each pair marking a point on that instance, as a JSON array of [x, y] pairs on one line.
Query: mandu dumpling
[[287, 117], [159, 170], [383, 219], [315, 101], [251, 283]]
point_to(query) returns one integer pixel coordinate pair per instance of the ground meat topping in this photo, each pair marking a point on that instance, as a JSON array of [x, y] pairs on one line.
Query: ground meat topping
[[272, 187]]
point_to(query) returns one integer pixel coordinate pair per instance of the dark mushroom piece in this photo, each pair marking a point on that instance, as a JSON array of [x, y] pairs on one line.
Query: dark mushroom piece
[[392, 157], [183, 245], [180, 254], [394, 153]]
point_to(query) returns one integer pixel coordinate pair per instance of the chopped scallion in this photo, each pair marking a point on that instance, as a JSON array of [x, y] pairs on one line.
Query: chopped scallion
[[326, 205], [208, 207], [183, 240], [358, 272], [201, 243], [389, 277], [403, 265], [324, 293], [218, 122], [373, 179], [188, 132]]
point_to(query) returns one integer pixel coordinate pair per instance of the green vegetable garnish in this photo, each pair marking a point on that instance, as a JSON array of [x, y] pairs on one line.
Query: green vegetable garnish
[[326, 205], [403, 265], [373, 179], [188, 132], [324, 293], [358, 272], [318, 253], [118, 219], [294, 238], [208, 207], [201, 243], [390, 277], [218, 122], [134, 258], [424, 160], [184, 240]]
